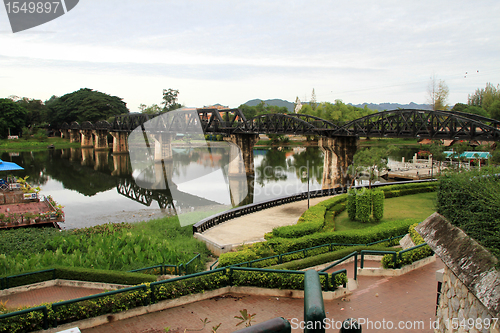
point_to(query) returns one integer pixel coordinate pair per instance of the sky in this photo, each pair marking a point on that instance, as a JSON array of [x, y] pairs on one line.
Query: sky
[[229, 52]]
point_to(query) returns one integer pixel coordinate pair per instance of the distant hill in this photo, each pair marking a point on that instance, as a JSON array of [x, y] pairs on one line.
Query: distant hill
[[393, 106], [379, 107], [276, 102]]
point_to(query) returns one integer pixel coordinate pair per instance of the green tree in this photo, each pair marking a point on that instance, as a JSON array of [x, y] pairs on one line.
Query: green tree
[[373, 159], [438, 94], [12, 117], [485, 97], [437, 150], [494, 110], [85, 105], [170, 99], [152, 109], [37, 111]]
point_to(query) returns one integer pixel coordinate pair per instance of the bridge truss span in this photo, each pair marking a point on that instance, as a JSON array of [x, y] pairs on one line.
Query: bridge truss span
[[410, 123]]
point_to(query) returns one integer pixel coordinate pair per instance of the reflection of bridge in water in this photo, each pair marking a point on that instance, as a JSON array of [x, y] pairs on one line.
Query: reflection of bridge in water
[[128, 188], [337, 140]]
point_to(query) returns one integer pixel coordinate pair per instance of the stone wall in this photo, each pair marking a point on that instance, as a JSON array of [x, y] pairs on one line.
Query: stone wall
[[457, 305], [470, 282]]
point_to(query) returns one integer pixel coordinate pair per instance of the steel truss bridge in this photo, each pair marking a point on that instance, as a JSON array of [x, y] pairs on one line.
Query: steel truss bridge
[[401, 123]]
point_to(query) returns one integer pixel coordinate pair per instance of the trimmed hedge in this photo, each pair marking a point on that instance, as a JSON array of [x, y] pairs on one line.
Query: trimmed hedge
[[409, 257], [328, 257], [313, 219], [367, 235], [471, 201], [363, 205], [135, 298], [83, 274], [378, 204], [351, 204]]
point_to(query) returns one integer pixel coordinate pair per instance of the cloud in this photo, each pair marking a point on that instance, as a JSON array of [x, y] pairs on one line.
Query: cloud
[[357, 51]]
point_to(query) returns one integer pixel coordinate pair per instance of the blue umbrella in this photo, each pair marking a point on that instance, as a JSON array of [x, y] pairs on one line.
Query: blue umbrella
[[9, 166]]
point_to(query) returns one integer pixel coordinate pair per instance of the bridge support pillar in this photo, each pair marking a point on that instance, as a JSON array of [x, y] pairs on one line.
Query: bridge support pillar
[[74, 135], [339, 153], [65, 134], [120, 142], [87, 138], [245, 142], [163, 146], [101, 139]]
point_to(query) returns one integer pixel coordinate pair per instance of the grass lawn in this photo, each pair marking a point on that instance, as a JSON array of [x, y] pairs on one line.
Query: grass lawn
[[388, 141], [32, 144], [418, 206]]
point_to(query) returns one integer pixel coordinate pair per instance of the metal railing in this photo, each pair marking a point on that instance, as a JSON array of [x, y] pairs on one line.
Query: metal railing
[[330, 248], [56, 306], [4, 282], [338, 262], [396, 255], [42, 308], [216, 219]]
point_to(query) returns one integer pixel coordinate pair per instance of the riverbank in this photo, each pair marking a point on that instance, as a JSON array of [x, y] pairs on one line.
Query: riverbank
[[20, 145]]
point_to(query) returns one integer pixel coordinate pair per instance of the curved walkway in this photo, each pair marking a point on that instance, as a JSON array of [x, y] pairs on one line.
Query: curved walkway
[[252, 227], [410, 298]]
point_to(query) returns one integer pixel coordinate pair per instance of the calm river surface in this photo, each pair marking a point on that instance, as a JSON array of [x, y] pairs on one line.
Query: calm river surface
[[98, 187]]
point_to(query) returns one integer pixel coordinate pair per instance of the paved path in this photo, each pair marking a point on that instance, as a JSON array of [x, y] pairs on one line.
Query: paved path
[[410, 298], [252, 227], [46, 295]]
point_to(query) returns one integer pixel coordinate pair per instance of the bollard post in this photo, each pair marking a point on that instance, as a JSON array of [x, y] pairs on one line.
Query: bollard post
[[314, 308]]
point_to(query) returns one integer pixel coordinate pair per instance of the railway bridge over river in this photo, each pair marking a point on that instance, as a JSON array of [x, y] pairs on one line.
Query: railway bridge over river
[[338, 142]]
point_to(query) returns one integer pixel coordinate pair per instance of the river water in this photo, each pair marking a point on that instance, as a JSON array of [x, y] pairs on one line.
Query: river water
[[97, 187]]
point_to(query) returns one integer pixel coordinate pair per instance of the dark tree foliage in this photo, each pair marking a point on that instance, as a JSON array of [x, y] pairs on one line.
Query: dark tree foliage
[[471, 201], [85, 105], [37, 111], [12, 117], [261, 109]]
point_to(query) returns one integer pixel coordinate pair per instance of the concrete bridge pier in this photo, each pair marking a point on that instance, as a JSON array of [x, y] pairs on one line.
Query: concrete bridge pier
[[245, 143], [101, 139], [339, 153], [87, 138], [163, 146], [120, 142], [65, 134], [74, 135]]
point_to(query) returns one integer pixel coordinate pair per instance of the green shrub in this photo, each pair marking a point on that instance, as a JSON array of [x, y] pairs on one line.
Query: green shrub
[[327, 257], [366, 235], [351, 204], [193, 285], [83, 274], [312, 220], [378, 204], [471, 201], [363, 206], [409, 257]]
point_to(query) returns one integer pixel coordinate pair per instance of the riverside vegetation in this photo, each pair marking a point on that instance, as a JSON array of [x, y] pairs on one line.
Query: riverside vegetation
[[119, 246]]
